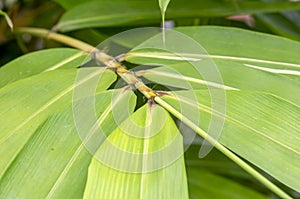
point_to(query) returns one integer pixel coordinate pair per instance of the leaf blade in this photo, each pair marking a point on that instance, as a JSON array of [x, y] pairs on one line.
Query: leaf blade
[[65, 154], [231, 53], [137, 182], [36, 98], [50, 59]]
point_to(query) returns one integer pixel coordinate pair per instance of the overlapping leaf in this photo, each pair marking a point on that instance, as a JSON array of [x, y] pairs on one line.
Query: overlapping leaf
[[259, 127], [272, 66], [62, 154], [28, 102], [238, 45], [53, 158]]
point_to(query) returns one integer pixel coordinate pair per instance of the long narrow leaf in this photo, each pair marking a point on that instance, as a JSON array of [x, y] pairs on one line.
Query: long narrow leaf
[[27, 103], [147, 159], [234, 55], [235, 77], [56, 156], [41, 61]]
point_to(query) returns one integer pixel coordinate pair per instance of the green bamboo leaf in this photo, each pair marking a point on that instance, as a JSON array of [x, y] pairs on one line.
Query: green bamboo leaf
[[235, 77], [267, 125], [231, 44], [62, 154], [41, 61], [148, 159], [116, 13], [236, 55], [53, 150], [28, 102]]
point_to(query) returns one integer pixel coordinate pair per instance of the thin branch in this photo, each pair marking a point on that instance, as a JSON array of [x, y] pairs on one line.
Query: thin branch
[[47, 34]]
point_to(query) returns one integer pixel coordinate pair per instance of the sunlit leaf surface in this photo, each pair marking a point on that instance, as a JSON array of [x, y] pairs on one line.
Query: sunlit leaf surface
[[147, 161]]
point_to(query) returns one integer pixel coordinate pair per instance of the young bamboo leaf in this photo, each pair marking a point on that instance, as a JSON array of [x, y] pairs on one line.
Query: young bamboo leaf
[[147, 151], [163, 4], [8, 20]]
